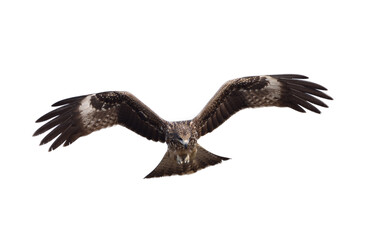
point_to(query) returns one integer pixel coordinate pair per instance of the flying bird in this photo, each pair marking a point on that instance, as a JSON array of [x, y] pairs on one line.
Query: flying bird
[[79, 116]]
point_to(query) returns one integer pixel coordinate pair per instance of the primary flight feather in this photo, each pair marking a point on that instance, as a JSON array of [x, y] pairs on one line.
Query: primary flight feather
[[79, 116]]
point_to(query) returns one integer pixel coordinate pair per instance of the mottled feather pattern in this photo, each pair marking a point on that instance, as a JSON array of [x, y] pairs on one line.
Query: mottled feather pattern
[[96, 115], [268, 93], [287, 90], [79, 116], [74, 118]]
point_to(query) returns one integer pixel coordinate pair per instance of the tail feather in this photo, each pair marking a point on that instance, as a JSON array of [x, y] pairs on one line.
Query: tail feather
[[169, 166]]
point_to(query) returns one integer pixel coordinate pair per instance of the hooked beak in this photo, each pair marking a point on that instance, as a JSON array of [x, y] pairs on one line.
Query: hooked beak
[[185, 143]]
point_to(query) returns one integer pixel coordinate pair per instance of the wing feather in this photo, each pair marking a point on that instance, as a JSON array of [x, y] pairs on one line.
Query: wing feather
[[303, 103], [285, 90], [62, 110], [309, 98], [311, 91], [69, 100], [52, 123], [55, 132], [65, 134], [79, 116]]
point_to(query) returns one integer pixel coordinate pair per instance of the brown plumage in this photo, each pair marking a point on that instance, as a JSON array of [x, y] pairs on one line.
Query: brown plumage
[[79, 116]]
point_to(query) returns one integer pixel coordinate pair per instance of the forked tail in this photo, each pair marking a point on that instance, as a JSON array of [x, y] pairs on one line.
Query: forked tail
[[169, 166]]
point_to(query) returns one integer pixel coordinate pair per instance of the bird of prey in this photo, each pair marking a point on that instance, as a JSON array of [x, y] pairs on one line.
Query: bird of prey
[[79, 116]]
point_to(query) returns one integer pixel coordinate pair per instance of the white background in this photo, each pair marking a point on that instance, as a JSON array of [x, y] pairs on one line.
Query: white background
[[292, 175]]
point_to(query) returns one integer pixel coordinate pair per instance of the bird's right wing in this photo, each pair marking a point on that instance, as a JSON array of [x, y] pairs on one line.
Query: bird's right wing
[[80, 116]]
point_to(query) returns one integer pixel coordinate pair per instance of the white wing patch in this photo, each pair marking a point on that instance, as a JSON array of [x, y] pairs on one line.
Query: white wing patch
[[93, 119], [85, 107], [273, 88], [267, 96]]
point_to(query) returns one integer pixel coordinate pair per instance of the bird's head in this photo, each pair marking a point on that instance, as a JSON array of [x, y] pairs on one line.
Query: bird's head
[[180, 136]]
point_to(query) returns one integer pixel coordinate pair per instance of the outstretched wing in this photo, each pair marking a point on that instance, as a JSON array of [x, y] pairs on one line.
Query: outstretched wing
[[259, 91], [80, 116]]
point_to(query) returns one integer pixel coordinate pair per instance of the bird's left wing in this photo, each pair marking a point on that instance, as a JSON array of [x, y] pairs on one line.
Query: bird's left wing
[[79, 116], [287, 90]]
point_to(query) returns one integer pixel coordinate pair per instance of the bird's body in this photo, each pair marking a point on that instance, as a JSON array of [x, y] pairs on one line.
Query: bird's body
[[80, 116], [181, 139]]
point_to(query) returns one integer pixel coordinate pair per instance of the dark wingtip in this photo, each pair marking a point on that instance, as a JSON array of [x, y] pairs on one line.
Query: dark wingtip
[[56, 104], [68, 100], [299, 76], [316, 111], [291, 76], [296, 107], [51, 148], [39, 131], [39, 120], [44, 117]]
